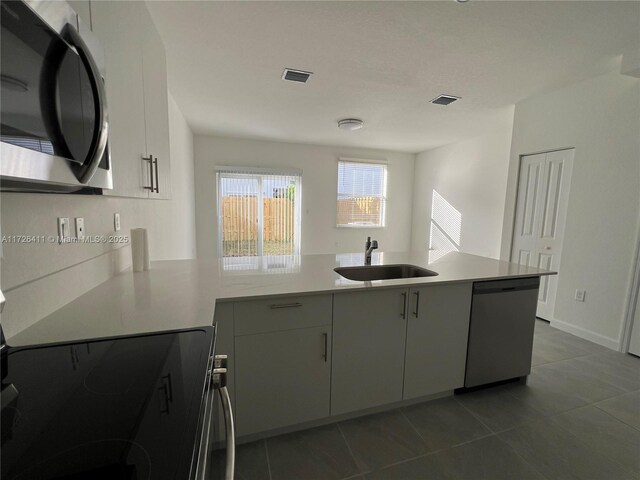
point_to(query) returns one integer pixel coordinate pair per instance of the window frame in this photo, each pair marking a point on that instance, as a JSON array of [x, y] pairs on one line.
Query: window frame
[[383, 208], [259, 173]]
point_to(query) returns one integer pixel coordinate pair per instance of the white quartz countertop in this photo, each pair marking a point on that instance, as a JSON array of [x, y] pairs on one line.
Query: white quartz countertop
[[181, 294]]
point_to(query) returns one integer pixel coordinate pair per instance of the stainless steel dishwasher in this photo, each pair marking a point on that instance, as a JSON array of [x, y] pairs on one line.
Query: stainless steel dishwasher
[[503, 314]]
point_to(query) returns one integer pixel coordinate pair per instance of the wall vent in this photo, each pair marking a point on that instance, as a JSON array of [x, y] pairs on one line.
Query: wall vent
[[444, 99], [296, 75]]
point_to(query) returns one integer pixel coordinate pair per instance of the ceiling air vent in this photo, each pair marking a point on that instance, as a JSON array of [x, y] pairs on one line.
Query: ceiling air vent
[[444, 99], [296, 75]]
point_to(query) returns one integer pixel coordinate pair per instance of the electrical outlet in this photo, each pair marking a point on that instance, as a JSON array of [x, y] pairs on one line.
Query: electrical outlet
[[116, 222], [63, 229], [579, 295], [79, 228]]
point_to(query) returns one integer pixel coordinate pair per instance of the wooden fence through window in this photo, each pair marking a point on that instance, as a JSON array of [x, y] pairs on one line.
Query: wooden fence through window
[[359, 210], [240, 219], [240, 216]]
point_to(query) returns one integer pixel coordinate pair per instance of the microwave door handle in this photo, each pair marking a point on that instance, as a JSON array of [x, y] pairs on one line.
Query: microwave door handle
[[99, 141], [49, 108]]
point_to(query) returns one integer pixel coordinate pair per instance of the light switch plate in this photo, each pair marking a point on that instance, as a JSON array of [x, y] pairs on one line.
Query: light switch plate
[[579, 295], [116, 222], [79, 228], [63, 229]]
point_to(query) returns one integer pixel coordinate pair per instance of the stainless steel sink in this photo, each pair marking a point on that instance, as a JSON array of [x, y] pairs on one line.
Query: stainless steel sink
[[383, 272]]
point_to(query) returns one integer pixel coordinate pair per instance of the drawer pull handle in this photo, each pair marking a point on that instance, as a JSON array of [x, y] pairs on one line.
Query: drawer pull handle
[[325, 353], [417, 294], [149, 160], [404, 306], [157, 186], [285, 305]]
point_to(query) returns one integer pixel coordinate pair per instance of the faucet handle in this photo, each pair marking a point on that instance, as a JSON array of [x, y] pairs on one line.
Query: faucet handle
[[374, 244]]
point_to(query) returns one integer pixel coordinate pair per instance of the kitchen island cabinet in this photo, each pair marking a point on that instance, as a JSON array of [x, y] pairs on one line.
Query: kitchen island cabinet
[[437, 333], [282, 349], [369, 334]]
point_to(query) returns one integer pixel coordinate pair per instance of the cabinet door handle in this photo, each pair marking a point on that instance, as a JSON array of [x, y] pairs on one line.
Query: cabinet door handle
[[417, 294], [404, 306], [285, 305], [325, 352], [155, 164], [149, 160], [164, 399]]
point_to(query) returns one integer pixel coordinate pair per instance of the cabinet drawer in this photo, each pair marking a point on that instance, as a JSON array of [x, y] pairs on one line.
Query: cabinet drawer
[[282, 313]]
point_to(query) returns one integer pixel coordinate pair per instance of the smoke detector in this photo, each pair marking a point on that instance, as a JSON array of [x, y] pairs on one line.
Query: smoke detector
[[293, 75], [444, 99], [350, 124]]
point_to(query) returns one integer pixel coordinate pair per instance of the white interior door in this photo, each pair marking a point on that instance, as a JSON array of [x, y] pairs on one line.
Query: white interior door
[[541, 211]]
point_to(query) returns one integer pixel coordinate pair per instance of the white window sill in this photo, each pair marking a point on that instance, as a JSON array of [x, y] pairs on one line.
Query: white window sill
[[361, 226]]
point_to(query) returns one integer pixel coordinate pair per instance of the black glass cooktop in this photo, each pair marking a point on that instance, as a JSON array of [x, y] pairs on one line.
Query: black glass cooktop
[[121, 408]]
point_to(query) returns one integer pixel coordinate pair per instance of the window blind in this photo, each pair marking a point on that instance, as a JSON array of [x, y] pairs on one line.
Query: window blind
[[258, 213], [361, 194]]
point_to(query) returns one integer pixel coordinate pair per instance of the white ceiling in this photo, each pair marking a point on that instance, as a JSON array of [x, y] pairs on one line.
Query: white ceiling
[[381, 62]]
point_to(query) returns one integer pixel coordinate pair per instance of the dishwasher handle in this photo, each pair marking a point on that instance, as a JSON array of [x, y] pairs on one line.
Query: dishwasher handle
[[511, 285]]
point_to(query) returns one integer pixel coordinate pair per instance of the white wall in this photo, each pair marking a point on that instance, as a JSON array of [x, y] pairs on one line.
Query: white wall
[[600, 117], [319, 191], [57, 274], [472, 176]]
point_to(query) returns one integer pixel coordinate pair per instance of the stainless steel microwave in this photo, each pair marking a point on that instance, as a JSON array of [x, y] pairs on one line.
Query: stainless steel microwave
[[54, 133]]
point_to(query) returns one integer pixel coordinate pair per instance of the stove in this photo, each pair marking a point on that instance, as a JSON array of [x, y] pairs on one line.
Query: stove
[[133, 408]]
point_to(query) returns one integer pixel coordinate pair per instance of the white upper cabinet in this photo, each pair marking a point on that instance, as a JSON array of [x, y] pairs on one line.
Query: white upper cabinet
[[156, 105], [137, 98]]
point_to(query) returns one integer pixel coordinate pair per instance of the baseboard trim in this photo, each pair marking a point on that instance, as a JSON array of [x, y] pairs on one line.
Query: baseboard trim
[[612, 343]]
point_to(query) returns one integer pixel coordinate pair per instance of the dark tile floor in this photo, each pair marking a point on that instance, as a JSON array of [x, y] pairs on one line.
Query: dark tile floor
[[578, 417]]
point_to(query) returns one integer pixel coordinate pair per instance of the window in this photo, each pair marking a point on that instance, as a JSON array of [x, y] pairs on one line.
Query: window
[[258, 212], [362, 191]]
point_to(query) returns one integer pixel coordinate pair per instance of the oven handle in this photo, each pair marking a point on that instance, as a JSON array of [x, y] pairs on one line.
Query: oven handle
[[201, 463], [230, 433], [84, 172]]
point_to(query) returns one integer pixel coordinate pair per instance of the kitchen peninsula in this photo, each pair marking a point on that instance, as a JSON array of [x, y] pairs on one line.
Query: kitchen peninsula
[[305, 344]]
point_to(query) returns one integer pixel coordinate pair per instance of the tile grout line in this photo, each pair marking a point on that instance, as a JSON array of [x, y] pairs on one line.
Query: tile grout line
[[595, 405], [491, 434], [266, 451], [533, 467], [474, 416], [587, 445], [562, 360], [415, 429], [604, 381], [514, 397], [346, 442]]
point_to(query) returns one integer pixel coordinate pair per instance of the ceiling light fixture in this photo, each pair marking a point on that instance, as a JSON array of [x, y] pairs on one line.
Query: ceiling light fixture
[[350, 124]]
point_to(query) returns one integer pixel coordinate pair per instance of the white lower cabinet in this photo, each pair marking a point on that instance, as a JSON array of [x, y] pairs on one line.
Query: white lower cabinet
[[282, 378], [437, 333], [369, 333], [299, 359], [282, 373]]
